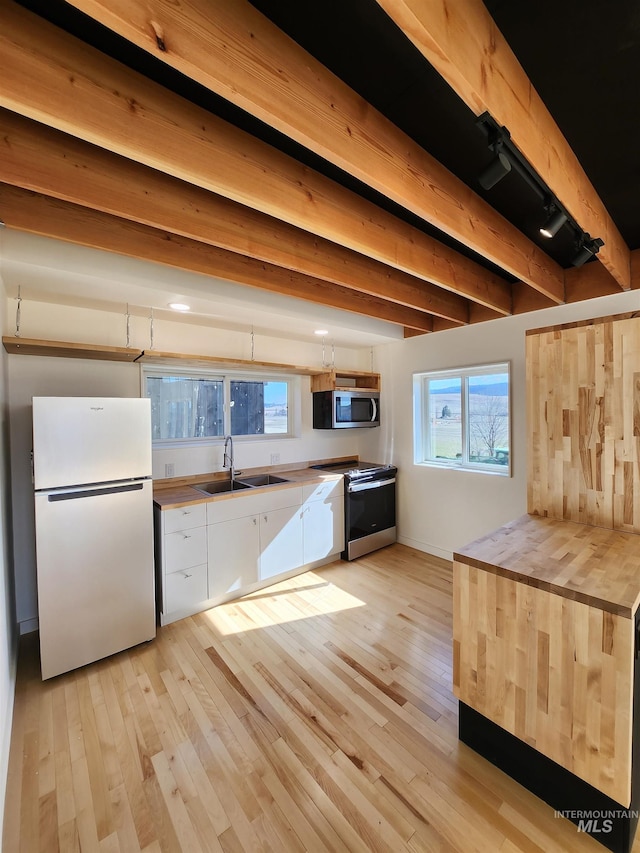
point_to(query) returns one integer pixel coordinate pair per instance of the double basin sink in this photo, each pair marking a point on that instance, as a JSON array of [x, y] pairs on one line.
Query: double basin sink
[[221, 486]]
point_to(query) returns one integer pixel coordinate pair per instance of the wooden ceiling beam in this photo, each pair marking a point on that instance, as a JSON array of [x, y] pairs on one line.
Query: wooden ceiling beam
[[46, 161], [234, 50], [589, 281], [59, 81], [38, 214], [464, 45]]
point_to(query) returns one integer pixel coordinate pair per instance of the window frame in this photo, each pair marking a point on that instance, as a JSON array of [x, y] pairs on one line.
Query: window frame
[[422, 434], [292, 382]]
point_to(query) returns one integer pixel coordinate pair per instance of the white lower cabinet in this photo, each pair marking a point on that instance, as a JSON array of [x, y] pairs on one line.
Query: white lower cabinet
[[280, 542], [210, 552], [181, 560], [245, 549], [323, 520], [323, 528], [234, 549]]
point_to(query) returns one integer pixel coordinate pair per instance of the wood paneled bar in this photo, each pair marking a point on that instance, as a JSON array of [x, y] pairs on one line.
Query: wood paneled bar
[[546, 613], [543, 644]]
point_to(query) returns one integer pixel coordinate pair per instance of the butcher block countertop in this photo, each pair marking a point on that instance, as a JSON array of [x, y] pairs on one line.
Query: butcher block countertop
[[181, 493], [593, 565]]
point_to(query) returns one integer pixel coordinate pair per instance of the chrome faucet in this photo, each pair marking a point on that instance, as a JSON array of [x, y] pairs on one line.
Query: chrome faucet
[[227, 457]]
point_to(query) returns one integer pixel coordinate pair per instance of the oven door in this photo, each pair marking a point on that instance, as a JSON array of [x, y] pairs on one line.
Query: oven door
[[370, 515]]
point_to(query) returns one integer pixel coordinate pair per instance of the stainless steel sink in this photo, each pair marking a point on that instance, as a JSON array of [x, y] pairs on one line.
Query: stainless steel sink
[[262, 480], [218, 487]]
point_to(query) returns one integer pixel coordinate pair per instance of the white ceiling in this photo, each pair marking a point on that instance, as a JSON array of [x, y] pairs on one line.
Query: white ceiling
[[48, 270]]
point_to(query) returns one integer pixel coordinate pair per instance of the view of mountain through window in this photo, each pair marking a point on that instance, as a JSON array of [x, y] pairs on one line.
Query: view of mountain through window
[[465, 417]]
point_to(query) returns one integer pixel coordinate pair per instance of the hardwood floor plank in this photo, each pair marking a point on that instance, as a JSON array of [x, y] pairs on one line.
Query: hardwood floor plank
[[124, 827], [46, 760], [294, 810], [68, 837], [164, 829], [94, 758], [313, 716], [129, 761], [88, 818], [205, 791], [48, 823]]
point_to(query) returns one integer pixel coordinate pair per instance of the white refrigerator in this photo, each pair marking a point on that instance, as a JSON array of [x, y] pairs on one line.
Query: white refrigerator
[[94, 528]]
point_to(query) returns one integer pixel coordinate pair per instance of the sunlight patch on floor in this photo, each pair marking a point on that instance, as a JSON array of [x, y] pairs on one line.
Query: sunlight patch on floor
[[302, 597]]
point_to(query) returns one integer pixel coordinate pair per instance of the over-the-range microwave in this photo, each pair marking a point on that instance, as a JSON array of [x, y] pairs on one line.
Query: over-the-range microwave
[[343, 409]]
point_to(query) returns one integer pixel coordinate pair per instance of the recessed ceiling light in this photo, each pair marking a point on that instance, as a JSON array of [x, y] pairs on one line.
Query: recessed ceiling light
[[179, 306], [321, 332]]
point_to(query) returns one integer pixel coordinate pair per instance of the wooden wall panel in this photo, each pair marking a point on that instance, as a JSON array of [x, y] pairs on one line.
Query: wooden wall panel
[[583, 410], [554, 672]]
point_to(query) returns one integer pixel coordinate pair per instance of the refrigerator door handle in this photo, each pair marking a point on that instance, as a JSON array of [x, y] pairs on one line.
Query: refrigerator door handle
[[88, 493]]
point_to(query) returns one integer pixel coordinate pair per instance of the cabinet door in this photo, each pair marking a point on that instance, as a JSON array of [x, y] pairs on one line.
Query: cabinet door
[[280, 541], [234, 552], [323, 528]]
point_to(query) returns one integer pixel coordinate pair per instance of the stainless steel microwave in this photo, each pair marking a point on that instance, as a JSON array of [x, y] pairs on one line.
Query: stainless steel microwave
[[344, 409]]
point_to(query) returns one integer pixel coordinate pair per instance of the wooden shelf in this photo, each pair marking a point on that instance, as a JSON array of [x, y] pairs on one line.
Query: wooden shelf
[[169, 359], [67, 349], [343, 380]]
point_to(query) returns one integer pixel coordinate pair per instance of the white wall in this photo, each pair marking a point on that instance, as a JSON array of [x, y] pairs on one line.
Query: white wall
[[8, 632], [31, 376], [440, 510]]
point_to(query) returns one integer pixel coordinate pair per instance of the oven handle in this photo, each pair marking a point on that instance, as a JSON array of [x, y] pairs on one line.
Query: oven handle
[[370, 484]]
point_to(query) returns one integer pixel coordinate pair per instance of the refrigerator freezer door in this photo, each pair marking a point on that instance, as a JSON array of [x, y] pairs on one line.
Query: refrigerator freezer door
[[95, 573], [78, 440]]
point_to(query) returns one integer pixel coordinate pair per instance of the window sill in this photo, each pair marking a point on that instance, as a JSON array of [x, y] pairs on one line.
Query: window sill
[[470, 469]]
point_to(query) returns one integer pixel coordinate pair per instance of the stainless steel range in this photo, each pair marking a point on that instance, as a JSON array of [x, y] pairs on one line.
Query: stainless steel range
[[369, 505]]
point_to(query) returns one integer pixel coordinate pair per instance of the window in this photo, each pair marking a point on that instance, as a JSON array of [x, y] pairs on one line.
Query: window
[[188, 407], [462, 418]]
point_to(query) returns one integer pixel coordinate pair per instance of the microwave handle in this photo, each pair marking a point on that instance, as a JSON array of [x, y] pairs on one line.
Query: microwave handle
[[374, 416]]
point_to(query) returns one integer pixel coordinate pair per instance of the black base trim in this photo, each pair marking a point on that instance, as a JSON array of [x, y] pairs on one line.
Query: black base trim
[[592, 811]]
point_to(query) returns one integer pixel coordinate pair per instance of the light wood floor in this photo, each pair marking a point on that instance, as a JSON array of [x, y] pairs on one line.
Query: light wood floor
[[316, 715]]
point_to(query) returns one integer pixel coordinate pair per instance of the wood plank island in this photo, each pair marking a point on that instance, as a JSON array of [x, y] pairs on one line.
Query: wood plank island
[[545, 616]]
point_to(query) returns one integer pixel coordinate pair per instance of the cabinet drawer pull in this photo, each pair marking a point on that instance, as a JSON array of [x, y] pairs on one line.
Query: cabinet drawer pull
[[187, 575], [186, 536], [186, 512]]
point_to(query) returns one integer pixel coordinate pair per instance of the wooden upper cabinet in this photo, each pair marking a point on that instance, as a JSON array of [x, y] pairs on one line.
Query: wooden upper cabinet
[[583, 416], [332, 380]]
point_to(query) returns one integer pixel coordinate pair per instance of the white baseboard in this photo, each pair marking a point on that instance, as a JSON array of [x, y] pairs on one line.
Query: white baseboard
[[28, 626], [426, 547]]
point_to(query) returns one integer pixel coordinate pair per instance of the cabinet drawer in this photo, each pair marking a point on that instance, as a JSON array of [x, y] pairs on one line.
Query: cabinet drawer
[[185, 589], [185, 548], [322, 491], [253, 503], [184, 517]]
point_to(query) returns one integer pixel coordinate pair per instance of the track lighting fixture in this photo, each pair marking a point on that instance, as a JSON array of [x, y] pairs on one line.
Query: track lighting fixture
[[495, 171], [587, 248], [555, 220], [507, 158]]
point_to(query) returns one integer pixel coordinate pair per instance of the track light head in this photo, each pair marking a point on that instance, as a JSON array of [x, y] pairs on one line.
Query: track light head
[[495, 171], [587, 248], [555, 220]]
